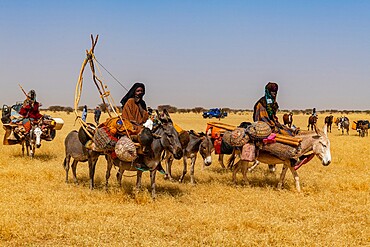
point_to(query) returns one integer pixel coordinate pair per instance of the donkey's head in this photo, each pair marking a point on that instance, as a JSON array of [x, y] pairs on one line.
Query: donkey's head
[[169, 137], [202, 143], [321, 146], [36, 133], [205, 149]]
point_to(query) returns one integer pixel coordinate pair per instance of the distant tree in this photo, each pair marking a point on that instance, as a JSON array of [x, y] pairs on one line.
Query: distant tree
[[169, 108], [68, 109], [56, 108], [103, 107], [183, 110], [198, 110]]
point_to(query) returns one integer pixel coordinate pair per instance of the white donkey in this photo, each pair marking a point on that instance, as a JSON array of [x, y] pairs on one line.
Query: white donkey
[[317, 142]]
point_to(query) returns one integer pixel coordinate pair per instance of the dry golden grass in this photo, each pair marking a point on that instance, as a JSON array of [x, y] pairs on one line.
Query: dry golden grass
[[37, 207]]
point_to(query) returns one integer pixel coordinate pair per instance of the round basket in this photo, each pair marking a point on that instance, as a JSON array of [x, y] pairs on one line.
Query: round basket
[[238, 137], [125, 149], [259, 130]]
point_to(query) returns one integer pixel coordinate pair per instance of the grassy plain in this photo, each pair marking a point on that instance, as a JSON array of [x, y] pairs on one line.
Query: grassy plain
[[37, 207]]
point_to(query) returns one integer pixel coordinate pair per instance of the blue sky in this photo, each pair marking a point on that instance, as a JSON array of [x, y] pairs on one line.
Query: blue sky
[[190, 53]]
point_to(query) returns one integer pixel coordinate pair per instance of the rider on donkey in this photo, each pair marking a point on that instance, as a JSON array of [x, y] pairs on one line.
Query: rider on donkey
[[266, 109], [134, 109], [30, 112]]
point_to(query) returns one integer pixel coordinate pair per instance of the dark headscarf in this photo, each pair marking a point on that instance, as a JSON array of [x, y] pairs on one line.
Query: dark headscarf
[[272, 87], [131, 94]]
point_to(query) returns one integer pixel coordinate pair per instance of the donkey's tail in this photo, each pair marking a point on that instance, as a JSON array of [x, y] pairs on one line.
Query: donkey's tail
[[65, 163], [231, 160]]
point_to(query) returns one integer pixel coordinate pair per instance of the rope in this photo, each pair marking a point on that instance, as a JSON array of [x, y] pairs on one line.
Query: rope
[[90, 57], [111, 75]]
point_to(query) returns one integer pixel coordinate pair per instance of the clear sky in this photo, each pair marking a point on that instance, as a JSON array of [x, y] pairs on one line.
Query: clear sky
[[190, 53]]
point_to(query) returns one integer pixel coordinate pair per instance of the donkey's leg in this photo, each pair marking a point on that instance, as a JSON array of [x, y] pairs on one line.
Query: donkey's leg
[[169, 161], [66, 165], [255, 164], [28, 146], [74, 167], [23, 148], [296, 178], [184, 160], [93, 158], [119, 175], [152, 182], [192, 178], [107, 173], [221, 160], [282, 175], [244, 168], [138, 180], [32, 149], [236, 168]]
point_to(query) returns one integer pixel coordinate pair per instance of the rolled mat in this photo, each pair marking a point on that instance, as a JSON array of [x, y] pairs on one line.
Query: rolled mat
[[289, 140]]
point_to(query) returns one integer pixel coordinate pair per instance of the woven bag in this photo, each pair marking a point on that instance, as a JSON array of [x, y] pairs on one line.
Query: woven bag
[[125, 149], [226, 137], [104, 140], [259, 130], [248, 152], [238, 137]]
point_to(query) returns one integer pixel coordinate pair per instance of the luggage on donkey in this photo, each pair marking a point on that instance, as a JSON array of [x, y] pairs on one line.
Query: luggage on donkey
[[125, 149], [118, 137]]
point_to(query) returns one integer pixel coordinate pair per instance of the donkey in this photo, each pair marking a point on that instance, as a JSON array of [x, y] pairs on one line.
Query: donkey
[[198, 142], [29, 141], [317, 142], [312, 120], [34, 139], [288, 119], [363, 129], [343, 124], [167, 140], [329, 122], [75, 150]]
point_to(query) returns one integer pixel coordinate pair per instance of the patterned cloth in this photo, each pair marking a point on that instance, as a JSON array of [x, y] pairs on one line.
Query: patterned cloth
[[104, 140]]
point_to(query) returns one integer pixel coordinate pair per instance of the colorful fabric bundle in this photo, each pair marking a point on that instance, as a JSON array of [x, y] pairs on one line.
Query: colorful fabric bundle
[[104, 140]]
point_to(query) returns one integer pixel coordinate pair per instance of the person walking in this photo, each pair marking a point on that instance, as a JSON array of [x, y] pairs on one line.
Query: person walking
[[97, 114], [84, 114]]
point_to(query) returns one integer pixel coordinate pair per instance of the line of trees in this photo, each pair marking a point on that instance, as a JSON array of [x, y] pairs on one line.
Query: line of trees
[[173, 109]]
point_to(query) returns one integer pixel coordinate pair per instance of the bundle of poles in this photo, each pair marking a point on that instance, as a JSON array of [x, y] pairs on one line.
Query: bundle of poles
[[289, 140], [102, 89]]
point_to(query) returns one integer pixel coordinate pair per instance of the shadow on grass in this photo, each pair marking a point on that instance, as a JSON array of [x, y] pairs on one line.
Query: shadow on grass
[[38, 157], [127, 187]]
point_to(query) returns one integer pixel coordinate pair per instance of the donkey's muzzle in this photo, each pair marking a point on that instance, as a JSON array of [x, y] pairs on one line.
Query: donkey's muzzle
[[326, 163], [178, 154]]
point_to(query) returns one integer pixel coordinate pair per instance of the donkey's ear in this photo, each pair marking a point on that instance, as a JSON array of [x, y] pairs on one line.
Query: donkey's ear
[[325, 130], [166, 112], [320, 132], [201, 134], [167, 115], [316, 129]]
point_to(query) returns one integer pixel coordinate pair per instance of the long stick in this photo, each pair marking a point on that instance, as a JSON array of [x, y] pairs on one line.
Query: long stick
[[23, 90]]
